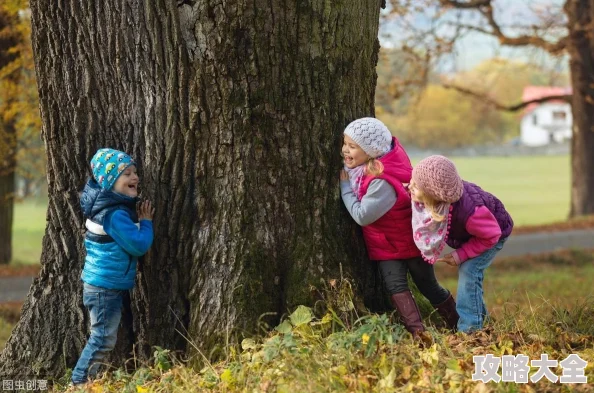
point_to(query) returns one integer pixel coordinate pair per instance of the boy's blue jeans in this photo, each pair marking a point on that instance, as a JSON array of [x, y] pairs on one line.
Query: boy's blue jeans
[[105, 309], [470, 303]]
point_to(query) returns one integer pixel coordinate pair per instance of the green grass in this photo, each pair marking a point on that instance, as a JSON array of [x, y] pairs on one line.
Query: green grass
[[540, 304], [534, 189], [9, 316], [523, 284], [328, 353], [5, 329], [27, 231]]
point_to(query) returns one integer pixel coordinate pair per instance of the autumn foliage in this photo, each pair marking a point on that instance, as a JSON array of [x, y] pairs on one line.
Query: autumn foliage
[[20, 123]]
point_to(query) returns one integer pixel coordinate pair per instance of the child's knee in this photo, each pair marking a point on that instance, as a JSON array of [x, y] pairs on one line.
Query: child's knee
[[101, 341], [396, 286], [109, 343], [467, 271]]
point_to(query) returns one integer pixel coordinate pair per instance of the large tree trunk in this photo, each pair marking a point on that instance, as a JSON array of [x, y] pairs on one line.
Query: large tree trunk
[[275, 85], [580, 16], [7, 189], [234, 112]]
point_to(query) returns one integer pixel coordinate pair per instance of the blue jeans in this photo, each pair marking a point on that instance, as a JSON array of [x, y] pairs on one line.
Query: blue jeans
[[105, 309], [470, 303]]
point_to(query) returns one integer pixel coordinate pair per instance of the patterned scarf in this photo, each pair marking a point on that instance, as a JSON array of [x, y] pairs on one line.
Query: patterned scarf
[[430, 236], [355, 177]]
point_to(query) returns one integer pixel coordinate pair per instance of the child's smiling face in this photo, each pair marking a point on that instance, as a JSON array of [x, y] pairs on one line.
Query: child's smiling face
[[127, 183], [352, 153], [415, 194]]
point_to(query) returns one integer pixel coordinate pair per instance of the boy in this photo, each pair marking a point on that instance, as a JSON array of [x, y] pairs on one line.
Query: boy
[[117, 234]]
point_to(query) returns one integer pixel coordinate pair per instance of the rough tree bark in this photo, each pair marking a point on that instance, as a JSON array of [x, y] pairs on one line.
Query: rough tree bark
[[234, 111], [580, 19]]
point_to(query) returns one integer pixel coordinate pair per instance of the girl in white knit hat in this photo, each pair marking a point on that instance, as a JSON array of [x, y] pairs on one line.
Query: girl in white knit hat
[[373, 188], [448, 210]]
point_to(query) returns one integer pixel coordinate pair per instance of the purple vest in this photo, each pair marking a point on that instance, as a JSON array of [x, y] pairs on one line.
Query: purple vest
[[473, 197]]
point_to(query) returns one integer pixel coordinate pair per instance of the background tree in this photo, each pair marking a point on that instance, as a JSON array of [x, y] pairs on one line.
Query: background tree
[[503, 80], [21, 150], [30, 154], [399, 80], [437, 116], [446, 118], [548, 27], [234, 114], [9, 78]]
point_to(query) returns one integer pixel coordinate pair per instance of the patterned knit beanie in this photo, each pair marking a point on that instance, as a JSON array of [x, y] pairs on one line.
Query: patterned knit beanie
[[108, 164], [437, 177], [371, 135]]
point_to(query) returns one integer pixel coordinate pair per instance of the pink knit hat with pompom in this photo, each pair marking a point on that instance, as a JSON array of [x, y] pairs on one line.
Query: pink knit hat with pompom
[[437, 177]]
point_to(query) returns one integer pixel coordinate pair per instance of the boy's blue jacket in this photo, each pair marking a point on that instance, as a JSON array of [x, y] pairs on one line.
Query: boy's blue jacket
[[114, 238]]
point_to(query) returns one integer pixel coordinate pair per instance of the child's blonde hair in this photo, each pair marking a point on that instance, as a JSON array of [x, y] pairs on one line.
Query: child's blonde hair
[[434, 206], [374, 167]]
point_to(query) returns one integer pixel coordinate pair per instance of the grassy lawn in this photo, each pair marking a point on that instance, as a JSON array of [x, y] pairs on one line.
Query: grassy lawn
[[528, 284], [27, 231], [534, 189], [9, 316], [331, 352], [540, 305], [5, 329]]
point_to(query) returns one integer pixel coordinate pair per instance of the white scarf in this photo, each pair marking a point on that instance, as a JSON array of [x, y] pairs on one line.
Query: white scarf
[[356, 175], [430, 236]]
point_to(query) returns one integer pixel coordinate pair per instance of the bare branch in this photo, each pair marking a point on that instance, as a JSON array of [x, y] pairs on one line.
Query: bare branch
[[467, 4], [470, 27], [486, 9], [536, 29], [523, 40], [509, 108]]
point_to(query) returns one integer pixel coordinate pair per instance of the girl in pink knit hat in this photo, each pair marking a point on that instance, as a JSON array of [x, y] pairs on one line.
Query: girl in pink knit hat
[[376, 169], [448, 210]]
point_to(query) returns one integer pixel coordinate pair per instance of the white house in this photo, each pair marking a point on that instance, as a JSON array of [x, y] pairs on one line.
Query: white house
[[547, 122]]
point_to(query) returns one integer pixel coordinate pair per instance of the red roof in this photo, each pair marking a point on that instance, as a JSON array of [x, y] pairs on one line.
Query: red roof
[[536, 92]]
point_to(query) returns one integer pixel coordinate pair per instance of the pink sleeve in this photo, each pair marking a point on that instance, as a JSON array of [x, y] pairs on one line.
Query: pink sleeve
[[485, 231]]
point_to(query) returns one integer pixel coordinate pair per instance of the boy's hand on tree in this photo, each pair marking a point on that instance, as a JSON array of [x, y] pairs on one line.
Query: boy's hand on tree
[[145, 211], [449, 259], [344, 175]]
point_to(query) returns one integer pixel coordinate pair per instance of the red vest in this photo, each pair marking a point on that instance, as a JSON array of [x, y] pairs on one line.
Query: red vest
[[391, 236]]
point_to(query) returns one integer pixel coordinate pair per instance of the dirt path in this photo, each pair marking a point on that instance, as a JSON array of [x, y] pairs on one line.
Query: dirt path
[[538, 243], [13, 289]]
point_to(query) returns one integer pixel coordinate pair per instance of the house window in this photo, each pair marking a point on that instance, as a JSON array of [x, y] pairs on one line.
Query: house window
[[535, 119], [559, 116]]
